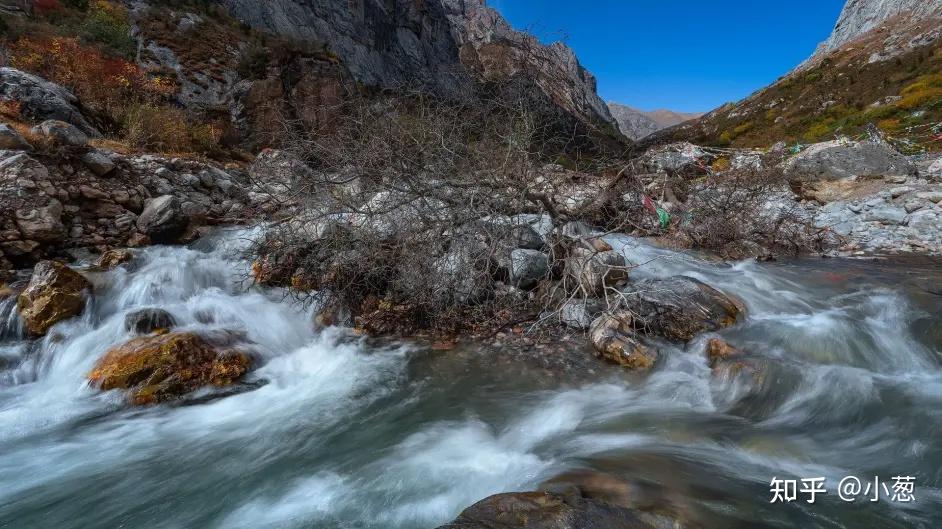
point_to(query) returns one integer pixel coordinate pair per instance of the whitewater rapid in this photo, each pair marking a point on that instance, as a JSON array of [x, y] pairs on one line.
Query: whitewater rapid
[[335, 431]]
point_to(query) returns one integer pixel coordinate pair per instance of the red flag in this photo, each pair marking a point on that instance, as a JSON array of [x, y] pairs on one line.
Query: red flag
[[649, 204]]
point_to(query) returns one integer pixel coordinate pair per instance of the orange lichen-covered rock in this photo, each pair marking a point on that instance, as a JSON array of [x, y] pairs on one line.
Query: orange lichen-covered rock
[[162, 367]]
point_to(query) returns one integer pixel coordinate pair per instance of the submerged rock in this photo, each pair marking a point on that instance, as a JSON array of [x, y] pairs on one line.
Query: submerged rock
[[55, 293], [545, 510], [146, 321], [679, 308], [163, 367]]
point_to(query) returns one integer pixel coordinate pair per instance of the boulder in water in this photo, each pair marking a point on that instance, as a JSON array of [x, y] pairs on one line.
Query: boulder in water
[[113, 258], [162, 367], [592, 270], [163, 220], [613, 338], [718, 350], [146, 321], [545, 510], [55, 293], [679, 308]]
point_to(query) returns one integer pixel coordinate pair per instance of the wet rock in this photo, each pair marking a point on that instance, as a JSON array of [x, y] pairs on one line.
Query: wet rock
[[678, 308], [590, 485], [41, 224], [612, 336], [163, 220], [842, 159], [591, 271], [146, 321], [717, 349], [545, 510], [42, 100], [55, 293], [527, 267], [163, 367], [113, 258], [11, 140], [62, 133], [98, 163]]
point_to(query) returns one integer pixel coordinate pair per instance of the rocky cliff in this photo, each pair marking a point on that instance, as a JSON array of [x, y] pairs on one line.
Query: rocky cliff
[[861, 16], [443, 45]]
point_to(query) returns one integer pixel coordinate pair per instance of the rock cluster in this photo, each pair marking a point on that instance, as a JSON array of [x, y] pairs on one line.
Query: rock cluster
[[99, 199]]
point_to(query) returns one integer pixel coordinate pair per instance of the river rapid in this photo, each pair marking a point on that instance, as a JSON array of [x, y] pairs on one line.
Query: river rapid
[[336, 431]]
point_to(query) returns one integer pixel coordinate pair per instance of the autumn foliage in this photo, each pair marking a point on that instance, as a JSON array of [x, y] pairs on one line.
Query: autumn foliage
[[125, 101]]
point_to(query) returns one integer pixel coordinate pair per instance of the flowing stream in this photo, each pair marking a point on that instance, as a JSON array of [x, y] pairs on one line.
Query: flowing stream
[[335, 431]]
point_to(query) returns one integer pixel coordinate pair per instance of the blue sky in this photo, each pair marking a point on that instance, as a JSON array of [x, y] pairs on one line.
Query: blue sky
[[686, 55]]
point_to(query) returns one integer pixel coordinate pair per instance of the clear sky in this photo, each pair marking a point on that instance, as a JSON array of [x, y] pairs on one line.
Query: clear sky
[[686, 55]]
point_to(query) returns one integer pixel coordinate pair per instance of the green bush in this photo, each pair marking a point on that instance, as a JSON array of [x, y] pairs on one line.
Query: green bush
[[108, 24]]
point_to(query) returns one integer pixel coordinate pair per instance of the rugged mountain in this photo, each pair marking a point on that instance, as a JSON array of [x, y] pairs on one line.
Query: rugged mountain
[[881, 65], [442, 45], [637, 124], [862, 16]]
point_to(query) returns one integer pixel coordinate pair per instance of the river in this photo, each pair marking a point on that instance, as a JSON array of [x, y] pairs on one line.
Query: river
[[338, 431]]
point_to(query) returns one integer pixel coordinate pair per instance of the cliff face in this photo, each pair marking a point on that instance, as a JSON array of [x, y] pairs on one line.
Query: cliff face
[[861, 16], [493, 50], [384, 43], [442, 45]]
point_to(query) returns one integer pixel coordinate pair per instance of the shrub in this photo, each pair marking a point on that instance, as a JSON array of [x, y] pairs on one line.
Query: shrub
[[153, 127], [108, 24]]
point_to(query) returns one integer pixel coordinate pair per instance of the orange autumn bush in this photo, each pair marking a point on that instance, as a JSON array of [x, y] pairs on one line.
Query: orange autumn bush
[[105, 84], [134, 104]]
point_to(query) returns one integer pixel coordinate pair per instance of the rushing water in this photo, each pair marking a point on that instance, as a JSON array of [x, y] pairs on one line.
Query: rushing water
[[334, 432]]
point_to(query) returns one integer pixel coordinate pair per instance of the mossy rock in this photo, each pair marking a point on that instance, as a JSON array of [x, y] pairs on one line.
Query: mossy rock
[[166, 366]]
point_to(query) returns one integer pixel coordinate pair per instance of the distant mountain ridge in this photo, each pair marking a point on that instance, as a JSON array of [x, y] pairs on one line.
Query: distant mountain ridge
[[636, 124], [881, 65]]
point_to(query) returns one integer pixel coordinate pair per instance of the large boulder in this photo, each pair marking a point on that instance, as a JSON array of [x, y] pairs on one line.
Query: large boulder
[[62, 133], [163, 220], [55, 293], [43, 224], [277, 173], [545, 510], [98, 162], [678, 308], [42, 100], [528, 267], [163, 367], [612, 336], [11, 140], [839, 159], [592, 269]]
